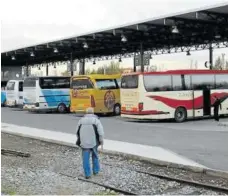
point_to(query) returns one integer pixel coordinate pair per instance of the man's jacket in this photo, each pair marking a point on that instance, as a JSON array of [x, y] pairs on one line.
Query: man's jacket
[[89, 131]]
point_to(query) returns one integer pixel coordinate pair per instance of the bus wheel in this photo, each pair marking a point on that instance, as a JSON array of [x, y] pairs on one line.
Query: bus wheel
[[116, 109], [180, 115], [62, 108], [4, 104]]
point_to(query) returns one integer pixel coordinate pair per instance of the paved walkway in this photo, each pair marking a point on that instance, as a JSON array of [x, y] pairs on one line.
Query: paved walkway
[[152, 152]]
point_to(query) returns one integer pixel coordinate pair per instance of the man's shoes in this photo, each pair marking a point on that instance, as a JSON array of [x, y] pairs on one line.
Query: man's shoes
[[95, 173], [88, 177]]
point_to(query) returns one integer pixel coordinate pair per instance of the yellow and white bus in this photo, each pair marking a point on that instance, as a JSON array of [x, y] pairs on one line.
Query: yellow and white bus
[[177, 94], [102, 92]]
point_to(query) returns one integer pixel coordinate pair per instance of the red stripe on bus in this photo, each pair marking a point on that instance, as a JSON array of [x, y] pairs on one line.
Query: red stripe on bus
[[146, 112], [188, 104]]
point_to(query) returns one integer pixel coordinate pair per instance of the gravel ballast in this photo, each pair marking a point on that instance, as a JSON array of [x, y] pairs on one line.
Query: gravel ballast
[[54, 169]]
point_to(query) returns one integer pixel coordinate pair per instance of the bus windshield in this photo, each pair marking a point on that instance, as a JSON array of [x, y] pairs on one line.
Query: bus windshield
[[106, 84], [129, 81], [10, 85], [81, 84]]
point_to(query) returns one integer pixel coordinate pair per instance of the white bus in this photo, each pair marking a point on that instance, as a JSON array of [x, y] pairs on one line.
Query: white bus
[[178, 94], [47, 93], [14, 93]]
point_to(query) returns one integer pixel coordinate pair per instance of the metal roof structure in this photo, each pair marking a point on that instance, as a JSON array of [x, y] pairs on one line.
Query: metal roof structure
[[193, 30]]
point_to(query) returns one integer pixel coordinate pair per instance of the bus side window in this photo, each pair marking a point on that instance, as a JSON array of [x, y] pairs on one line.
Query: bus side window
[[20, 86], [221, 81], [47, 83], [62, 83], [154, 83], [177, 82], [187, 82], [201, 82]]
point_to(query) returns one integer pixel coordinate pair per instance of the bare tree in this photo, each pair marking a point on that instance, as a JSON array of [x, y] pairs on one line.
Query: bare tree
[[221, 63], [112, 68], [226, 65], [191, 64], [196, 65], [218, 64]]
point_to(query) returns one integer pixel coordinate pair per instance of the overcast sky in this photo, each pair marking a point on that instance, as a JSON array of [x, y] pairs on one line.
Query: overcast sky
[[27, 22]]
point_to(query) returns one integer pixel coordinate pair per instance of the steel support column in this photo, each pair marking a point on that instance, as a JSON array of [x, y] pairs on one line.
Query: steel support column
[[211, 57], [141, 57], [27, 70], [82, 67], [134, 64], [71, 65], [47, 70]]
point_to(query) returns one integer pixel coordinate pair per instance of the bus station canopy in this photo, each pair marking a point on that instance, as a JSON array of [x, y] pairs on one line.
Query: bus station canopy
[[174, 33]]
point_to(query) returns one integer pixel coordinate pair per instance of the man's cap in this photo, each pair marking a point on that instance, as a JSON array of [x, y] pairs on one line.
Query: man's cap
[[89, 110]]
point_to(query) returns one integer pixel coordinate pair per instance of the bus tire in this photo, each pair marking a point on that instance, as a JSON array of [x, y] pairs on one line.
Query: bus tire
[[180, 114], [68, 109], [4, 104], [62, 108], [116, 110]]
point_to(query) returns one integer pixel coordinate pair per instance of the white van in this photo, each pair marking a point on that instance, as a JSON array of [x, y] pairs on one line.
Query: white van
[[14, 93]]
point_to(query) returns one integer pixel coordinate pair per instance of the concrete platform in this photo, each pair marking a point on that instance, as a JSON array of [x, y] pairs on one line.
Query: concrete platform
[[144, 151]]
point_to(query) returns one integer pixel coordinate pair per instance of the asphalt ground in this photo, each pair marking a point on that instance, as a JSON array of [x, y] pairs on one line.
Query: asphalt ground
[[203, 141]]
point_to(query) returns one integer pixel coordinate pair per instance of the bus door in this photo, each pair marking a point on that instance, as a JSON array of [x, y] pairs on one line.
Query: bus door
[[11, 87], [202, 102], [198, 103], [20, 92], [206, 102]]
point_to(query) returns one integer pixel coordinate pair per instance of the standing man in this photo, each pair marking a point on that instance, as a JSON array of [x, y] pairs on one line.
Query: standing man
[[217, 104], [90, 135]]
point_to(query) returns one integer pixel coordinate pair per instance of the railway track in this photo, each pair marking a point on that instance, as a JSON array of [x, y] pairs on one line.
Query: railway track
[[211, 187], [183, 181], [109, 187], [96, 181], [100, 184], [14, 153]]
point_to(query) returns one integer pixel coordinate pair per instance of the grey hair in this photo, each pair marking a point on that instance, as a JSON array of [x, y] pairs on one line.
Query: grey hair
[[90, 110]]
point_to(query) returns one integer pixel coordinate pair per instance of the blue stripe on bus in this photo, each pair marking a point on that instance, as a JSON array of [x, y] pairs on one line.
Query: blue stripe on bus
[[3, 97], [26, 101], [55, 97]]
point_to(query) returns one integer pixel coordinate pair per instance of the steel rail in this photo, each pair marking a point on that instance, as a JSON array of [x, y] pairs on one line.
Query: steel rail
[[15, 153], [183, 181]]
